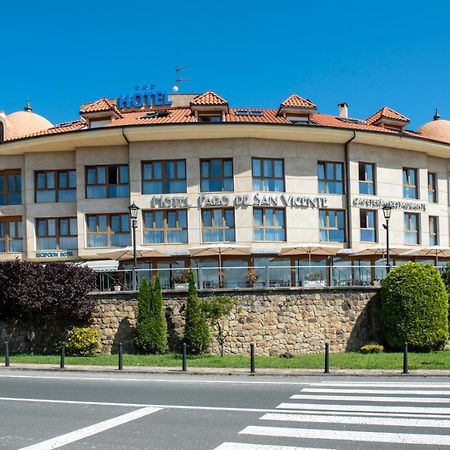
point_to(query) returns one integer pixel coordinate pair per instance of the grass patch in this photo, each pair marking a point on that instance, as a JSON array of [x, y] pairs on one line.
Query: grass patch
[[375, 361]]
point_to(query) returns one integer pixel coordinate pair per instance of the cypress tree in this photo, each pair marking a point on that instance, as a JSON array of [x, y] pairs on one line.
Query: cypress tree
[[143, 324], [158, 328], [196, 331]]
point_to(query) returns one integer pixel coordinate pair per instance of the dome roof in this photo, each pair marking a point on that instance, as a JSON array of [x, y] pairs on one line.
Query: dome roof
[[438, 130], [23, 123]]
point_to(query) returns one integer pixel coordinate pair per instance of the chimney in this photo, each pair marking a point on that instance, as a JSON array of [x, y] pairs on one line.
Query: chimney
[[343, 110]]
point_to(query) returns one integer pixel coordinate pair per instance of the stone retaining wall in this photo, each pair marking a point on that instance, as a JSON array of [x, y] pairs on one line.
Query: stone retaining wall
[[278, 322]]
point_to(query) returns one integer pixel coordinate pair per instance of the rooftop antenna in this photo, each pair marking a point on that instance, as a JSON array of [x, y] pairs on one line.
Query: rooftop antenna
[[178, 79]]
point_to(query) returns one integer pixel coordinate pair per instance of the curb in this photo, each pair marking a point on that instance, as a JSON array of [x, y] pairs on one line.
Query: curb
[[225, 371]]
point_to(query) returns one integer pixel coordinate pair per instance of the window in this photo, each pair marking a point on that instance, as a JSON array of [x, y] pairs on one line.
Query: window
[[216, 175], [56, 186], [332, 225], [164, 177], [165, 226], [11, 235], [269, 224], [366, 178], [433, 230], [210, 118], [268, 174], [108, 230], [57, 233], [367, 225], [2, 132], [218, 225], [410, 189], [411, 228], [107, 181], [432, 187], [10, 187], [331, 177]]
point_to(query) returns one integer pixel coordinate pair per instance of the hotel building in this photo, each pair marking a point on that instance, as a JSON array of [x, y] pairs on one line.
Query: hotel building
[[224, 186]]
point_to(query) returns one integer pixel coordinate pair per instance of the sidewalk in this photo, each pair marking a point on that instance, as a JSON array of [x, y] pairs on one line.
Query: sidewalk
[[224, 371]]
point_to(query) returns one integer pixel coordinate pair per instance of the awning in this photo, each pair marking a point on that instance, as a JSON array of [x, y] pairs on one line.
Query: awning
[[103, 265]]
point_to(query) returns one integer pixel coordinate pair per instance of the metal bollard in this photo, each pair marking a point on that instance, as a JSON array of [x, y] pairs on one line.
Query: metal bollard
[[327, 358], [63, 356], [6, 354], [120, 364], [405, 358], [252, 359], [183, 358]]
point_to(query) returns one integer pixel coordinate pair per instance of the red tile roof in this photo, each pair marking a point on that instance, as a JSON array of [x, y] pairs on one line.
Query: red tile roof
[[209, 98], [183, 115], [295, 101], [387, 113], [64, 127], [104, 104]]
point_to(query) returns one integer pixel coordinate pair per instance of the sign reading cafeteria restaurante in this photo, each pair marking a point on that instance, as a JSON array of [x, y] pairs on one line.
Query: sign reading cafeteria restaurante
[[359, 202], [256, 199]]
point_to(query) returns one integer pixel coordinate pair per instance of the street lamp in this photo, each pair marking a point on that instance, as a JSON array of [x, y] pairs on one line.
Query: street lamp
[[387, 210], [134, 209]]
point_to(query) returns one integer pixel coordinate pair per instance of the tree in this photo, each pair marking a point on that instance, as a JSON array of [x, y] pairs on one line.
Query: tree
[[143, 323], [158, 324], [43, 294], [214, 310], [414, 308], [196, 331]]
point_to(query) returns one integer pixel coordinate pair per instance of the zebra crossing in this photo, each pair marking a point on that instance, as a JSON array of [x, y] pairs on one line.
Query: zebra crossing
[[354, 415]]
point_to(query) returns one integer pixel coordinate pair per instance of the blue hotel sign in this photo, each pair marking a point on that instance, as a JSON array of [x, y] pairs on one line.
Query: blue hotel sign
[[146, 96]]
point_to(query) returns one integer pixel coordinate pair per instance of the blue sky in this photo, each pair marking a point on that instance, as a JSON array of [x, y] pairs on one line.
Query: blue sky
[[254, 54]]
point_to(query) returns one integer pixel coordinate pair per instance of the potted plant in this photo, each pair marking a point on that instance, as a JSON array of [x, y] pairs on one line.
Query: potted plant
[[252, 277], [179, 280]]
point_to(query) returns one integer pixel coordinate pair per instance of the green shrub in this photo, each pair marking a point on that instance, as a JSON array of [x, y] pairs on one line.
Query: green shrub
[[414, 308], [82, 341], [196, 331], [158, 325], [143, 322], [372, 348]]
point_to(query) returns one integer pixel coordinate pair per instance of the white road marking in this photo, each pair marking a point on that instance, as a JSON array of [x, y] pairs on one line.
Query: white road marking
[[82, 433], [381, 384], [239, 446], [364, 408], [152, 380], [141, 405], [362, 398], [385, 421], [376, 391], [346, 435]]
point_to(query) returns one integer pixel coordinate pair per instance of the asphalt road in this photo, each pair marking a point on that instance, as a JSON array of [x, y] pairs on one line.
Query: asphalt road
[[73, 410]]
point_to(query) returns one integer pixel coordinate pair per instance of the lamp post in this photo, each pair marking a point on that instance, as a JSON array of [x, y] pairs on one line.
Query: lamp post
[[387, 210], [134, 209]]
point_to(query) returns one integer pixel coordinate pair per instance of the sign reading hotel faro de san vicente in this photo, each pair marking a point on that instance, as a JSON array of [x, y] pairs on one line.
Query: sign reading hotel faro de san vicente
[[255, 199]]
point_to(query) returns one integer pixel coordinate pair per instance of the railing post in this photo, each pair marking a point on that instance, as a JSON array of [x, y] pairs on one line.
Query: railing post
[[252, 359], [6, 354], [183, 358], [267, 277], [200, 277], [327, 358], [405, 358], [63, 356], [120, 362]]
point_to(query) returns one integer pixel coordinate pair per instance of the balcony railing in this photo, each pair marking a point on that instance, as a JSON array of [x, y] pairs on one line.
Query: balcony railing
[[244, 277]]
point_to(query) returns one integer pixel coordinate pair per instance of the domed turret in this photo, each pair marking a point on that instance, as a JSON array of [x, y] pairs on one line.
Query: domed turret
[[437, 129], [23, 123]]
